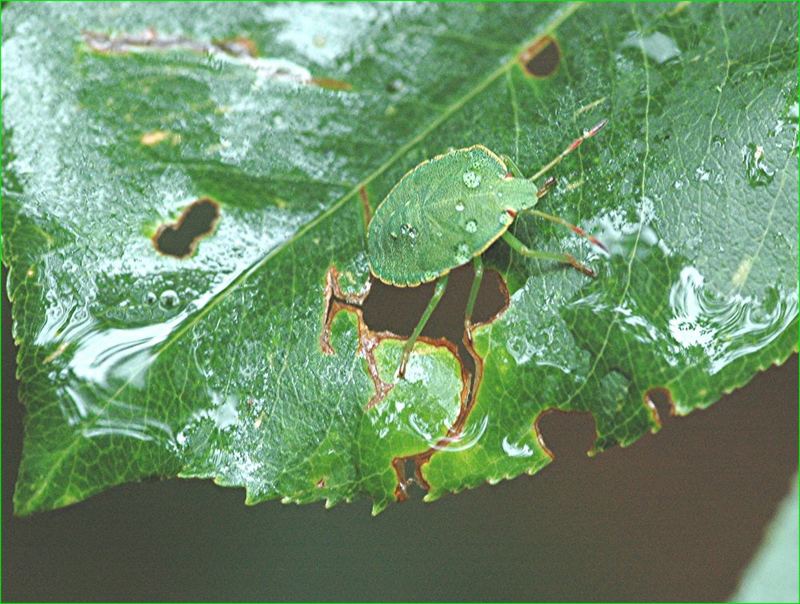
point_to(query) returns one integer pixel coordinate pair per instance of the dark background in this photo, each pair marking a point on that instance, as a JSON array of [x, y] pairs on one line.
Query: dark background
[[676, 516]]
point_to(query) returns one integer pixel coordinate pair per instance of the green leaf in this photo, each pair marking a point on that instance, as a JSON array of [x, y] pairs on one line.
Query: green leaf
[[111, 130]]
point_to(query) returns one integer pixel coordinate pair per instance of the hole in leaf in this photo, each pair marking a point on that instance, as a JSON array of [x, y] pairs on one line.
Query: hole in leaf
[[179, 239], [566, 435], [660, 402], [541, 58], [398, 309]]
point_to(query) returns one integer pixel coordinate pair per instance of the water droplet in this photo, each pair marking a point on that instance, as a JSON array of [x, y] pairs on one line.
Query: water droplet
[[407, 230], [393, 234], [150, 298], [462, 252], [471, 179], [169, 299], [659, 47], [516, 449], [702, 174], [777, 128], [678, 185], [758, 173], [471, 226], [793, 111], [459, 206], [395, 85]]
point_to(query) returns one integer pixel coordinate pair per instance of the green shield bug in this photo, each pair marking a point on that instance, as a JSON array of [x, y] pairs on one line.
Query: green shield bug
[[447, 211]]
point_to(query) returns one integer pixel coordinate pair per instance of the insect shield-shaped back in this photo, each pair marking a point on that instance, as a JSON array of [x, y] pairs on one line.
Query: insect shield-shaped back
[[443, 213]]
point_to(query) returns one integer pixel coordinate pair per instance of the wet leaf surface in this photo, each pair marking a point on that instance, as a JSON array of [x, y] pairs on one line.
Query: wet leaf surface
[[135, 363]]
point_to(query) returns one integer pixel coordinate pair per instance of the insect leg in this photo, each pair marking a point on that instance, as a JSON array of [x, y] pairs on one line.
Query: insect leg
[[473, 294], [575, 229], [441, 285], [570, 148], [512, 166], [523, 249]]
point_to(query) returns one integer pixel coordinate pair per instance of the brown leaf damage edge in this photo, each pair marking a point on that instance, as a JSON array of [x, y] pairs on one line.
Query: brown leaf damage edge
[[336, 300]]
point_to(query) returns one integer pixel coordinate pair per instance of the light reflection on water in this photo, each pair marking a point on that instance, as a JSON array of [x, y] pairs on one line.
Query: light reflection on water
[[699, 324], [468, 438], [725, 329], [105, 365]]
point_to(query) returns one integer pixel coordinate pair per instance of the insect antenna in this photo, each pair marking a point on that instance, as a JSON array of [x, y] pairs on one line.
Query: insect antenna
[[570, 148]]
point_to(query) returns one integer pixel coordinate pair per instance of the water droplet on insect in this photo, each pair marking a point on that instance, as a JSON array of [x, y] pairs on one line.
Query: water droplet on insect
[[393, 234], [404, 229], [412, 233], [702, 174], [169, 299], [471, 226], [471, 179], [758, 173], [150, 298], [459, 206], [678, 185]]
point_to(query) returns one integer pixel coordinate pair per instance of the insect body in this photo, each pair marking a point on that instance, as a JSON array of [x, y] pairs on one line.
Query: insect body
[[446, 212]]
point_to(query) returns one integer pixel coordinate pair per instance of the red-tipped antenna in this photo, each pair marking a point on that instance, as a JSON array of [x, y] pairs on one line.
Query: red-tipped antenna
[[572, 146]]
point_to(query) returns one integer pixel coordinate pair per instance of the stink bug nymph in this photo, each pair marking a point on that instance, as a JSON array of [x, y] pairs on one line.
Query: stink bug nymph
[[447, 211]]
